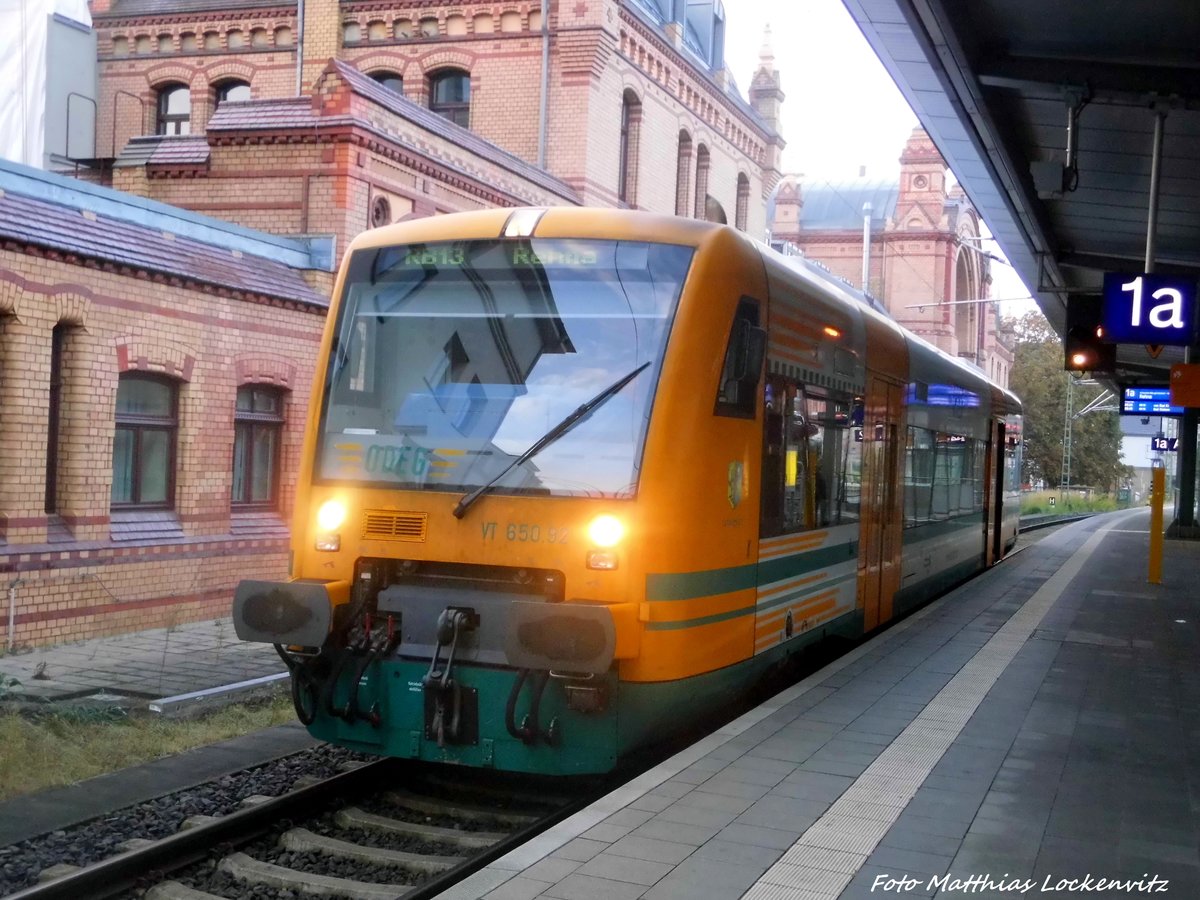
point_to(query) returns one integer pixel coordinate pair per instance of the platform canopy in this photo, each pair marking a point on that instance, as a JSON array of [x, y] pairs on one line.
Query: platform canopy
[[1047, 112]]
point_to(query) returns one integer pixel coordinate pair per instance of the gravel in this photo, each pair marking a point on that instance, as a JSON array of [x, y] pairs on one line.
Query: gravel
[[158, 818]]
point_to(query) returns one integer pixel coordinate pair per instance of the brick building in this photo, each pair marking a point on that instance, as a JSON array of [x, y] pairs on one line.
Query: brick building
[[155, 362], [364, 113], [154, 371], [925, 260]]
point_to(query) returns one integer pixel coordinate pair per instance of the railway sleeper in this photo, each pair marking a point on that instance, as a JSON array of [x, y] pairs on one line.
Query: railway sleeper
[[301, 840], [56, 871], [353, 817], [420, 804], [174, 890], [246, 868], [198, 821], [541, 798]]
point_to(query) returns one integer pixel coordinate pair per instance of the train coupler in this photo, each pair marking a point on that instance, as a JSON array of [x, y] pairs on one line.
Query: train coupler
[[451, 711]]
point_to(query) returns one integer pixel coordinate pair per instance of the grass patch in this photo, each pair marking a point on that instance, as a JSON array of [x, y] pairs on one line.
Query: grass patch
[[1074, 502], [55, 748]]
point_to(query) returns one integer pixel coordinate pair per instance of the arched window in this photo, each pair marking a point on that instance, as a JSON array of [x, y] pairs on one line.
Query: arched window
[[741, 213], [58, 339], [144, 442], [683, 175], [714, 211], [700, 210], [631, 118], [450, 96], [257, 428], [174, 110], [390, 80], [234, 90]]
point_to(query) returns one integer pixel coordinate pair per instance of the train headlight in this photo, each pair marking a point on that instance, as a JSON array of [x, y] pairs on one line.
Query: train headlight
[[606, 531], [331, 515]]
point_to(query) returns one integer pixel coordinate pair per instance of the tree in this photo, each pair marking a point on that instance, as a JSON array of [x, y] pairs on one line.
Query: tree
[[1039, 379]]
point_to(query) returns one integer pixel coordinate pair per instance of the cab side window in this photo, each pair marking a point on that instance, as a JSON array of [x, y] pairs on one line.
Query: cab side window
[[737, 393]]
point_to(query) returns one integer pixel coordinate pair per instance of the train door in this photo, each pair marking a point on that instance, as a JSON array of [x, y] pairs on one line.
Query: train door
[[882, 519], [994, 499]]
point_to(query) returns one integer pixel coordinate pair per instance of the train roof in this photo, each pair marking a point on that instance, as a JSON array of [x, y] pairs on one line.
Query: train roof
[[821, 279]]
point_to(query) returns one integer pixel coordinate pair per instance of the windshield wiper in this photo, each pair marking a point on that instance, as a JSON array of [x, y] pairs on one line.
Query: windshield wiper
[[549, 438]]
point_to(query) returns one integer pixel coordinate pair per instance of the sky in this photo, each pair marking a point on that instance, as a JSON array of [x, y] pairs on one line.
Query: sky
[[841, 110]]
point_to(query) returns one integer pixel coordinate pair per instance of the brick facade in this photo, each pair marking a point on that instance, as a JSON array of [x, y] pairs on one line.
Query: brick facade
[[319, 149], [925, 256], [86, 570], [598, 51]]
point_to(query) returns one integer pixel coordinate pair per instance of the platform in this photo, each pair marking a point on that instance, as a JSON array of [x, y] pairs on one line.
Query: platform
[[1034, 733], [180, 665]]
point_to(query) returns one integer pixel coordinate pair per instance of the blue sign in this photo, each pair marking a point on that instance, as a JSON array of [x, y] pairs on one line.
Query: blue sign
[[1141, 308], [1148, 401], [1159, 444], [921, 394]]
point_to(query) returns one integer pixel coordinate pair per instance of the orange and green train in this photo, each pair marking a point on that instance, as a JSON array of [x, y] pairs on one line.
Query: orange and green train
[[576, 478]]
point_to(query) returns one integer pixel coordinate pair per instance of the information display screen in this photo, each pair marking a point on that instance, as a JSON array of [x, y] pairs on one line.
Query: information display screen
[[1148, 401]]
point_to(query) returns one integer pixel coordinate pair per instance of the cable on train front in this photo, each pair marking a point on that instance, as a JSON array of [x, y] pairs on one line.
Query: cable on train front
[[462, 587]]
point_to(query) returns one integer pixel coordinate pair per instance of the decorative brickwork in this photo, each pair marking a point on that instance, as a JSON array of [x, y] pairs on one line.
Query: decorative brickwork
[[259, 369], [597, 50]]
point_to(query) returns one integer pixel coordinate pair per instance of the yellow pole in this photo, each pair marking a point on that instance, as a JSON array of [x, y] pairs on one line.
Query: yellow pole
[[1158, 490]]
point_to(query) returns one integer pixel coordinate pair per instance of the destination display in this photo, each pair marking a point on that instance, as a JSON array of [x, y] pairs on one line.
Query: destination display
[[1148, 401]]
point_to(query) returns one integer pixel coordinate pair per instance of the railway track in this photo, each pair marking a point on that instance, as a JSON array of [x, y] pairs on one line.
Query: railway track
[[383, 830]]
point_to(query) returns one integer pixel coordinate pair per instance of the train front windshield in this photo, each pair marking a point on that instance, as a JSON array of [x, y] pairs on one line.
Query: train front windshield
[[451, 360]]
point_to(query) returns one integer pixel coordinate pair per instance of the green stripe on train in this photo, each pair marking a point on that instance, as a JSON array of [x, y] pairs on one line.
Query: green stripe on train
[[709, 583]]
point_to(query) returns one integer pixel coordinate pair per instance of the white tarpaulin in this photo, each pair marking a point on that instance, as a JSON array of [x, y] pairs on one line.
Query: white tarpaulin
[[24, 26]]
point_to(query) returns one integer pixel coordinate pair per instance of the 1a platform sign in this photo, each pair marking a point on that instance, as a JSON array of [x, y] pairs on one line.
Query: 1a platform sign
[[1149, 308]]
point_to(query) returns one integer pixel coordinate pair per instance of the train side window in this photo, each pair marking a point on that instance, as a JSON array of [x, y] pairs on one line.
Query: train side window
[[918, 477], [737, 394], [943, 476], [812, 462]]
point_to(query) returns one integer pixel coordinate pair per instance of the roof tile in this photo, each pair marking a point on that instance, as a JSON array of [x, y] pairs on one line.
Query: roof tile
[[59, 227]]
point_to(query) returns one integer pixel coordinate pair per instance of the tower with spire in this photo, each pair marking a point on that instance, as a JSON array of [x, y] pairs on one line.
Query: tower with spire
[[766, 99]]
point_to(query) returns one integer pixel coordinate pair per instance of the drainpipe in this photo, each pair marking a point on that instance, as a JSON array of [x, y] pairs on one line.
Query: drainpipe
[[12, 610], [545, 83], [299, 46]]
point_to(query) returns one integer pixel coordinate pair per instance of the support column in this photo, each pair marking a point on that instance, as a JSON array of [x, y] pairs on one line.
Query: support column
[[1185, 511]]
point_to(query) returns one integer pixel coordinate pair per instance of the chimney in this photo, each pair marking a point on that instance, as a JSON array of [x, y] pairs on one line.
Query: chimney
[[320, 39]]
